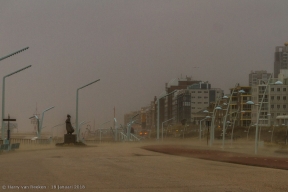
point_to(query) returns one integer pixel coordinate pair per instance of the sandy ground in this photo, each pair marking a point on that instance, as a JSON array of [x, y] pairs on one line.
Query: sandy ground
[[128, 167]]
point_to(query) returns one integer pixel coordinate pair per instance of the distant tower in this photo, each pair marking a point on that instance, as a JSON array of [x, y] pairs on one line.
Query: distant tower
[[280, 59], [34, 120]]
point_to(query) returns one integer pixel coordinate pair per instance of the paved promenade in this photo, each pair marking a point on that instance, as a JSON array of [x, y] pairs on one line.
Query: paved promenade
[[128, 167]]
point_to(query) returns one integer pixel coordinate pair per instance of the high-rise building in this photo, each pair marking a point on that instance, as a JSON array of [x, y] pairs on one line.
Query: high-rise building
[[280, 59], [274, 107], [195, 98], [254, 76], [175, 84]]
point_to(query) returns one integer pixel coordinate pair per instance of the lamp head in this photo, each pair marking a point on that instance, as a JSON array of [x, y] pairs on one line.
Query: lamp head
[[250, 102]]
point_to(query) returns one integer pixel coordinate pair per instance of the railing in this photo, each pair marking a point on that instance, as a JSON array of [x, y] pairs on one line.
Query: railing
[[123, 137], [36, 141], [134, 138]]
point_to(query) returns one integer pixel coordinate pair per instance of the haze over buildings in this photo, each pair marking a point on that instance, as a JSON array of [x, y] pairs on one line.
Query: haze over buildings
[[134, 47]]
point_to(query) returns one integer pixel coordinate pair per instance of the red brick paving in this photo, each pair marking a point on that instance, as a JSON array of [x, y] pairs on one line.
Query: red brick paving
[[223, 156]]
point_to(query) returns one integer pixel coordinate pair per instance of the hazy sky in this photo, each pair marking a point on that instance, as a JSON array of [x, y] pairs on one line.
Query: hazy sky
[[133, 46]]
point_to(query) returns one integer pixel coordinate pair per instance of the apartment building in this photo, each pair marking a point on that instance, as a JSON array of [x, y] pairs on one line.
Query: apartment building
[[195, 98], [255, 76], [274, 105], [175, 84], [239, 96], [280, 59]]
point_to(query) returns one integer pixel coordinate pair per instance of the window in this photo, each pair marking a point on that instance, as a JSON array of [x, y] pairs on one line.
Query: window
[[284, 97], [272, 89], [199, 97], [205, 97], [193, 97], [272, 106], [278, 106], [193, 91], [193, 107], [284, 106], [284, 89], [272, 114], [205, 91], [278, 97], [205, 102], [278, 89], [199, 91], [186, 103], [272, 97], [278, 114], [199, 102]]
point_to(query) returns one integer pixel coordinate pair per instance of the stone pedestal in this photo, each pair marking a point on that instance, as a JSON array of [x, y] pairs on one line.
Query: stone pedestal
[[70, 138]]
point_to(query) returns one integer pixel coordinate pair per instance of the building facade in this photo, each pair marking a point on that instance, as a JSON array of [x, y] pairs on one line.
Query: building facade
[[239, 111], [274, 104], [255, 76], [280, 59]]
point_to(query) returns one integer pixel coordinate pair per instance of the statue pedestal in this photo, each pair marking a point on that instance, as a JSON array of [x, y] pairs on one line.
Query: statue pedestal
[[70, 138]]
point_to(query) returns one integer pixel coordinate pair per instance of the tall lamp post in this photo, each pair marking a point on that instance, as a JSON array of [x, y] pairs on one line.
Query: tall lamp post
[[212, 132], [258, 114], [213, 124], [80, 124], [158, 111], [237, 112], [162, 125], [16, 52], [225, 117], [200, 130], [273, 132], [77, 92], [268, 115], [3, 97], [116, 128], [40, 123]]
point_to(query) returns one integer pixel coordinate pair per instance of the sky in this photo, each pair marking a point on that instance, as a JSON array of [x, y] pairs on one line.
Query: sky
[[133, 46]]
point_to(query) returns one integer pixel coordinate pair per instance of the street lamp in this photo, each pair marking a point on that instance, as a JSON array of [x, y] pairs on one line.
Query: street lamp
[[10, 55], [100, 129], [234, 124], [273, 132], [200, 130], [162, 126], [268, 115], [258, 112], [116, 128], [129, 126], [40, 123], [158, 111], [3, 97], [225, 117], [213, 117], [249, 129], [213, 124], [77, 104], [80, 124]]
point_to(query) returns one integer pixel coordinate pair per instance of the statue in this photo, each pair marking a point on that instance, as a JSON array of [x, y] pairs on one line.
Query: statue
[[69, 127]]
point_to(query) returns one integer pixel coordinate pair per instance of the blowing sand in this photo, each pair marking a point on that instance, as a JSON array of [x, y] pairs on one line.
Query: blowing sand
[[128, 167]]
